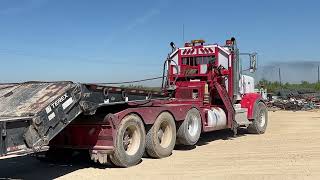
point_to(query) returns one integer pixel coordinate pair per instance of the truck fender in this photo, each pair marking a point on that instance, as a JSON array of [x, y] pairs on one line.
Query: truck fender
[[249, 101]]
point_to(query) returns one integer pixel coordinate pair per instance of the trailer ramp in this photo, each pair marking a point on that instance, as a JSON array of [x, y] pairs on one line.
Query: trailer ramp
[[33, 113]]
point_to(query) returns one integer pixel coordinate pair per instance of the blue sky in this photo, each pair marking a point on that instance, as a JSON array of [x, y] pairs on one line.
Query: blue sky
[[108, 41]]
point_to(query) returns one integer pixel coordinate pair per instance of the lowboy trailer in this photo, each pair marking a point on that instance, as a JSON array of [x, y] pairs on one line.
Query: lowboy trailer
[[203, 90]]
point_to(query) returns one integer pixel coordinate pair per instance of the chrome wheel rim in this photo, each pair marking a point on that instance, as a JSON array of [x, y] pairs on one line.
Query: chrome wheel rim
[[262, 119], [193, 125], [164, 134], [131, 140]]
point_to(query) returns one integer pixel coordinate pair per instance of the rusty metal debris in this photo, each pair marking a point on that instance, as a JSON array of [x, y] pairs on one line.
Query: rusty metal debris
[[294, 100]]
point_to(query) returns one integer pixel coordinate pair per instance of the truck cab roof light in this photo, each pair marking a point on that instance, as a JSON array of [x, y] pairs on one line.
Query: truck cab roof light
[[229, 42], [187, 45], [198, 41]]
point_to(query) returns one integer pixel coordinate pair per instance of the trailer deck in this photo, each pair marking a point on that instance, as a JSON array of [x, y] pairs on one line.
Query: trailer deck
[[33, 113]]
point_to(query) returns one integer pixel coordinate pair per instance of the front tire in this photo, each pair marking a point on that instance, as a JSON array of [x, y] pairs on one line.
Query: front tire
[[130, 142], [161, 138], [260, 122], [190, 130]]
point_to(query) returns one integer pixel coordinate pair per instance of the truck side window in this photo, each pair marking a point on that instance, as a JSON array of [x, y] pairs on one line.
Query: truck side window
[[212, 59], [191, 61], [184, 61], [198, 61]]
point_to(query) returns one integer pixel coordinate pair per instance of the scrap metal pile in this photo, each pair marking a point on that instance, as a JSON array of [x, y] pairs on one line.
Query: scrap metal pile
[[295, 100]]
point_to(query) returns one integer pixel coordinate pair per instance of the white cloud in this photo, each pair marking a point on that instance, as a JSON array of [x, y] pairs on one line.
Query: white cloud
[[147, 16]]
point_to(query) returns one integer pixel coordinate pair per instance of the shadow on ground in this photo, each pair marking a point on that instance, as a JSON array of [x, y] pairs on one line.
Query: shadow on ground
[[206, 138], [28, 167]]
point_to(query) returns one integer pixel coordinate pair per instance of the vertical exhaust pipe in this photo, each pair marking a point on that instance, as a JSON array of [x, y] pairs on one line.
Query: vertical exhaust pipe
[[236, 70]]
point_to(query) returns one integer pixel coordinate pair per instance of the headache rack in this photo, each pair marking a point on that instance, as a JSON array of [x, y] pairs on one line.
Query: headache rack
[[33, 113]]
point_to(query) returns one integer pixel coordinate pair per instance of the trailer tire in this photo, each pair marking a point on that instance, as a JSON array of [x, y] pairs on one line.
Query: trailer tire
[[129, 144], [260, 122], [161, 137], [190, 129]]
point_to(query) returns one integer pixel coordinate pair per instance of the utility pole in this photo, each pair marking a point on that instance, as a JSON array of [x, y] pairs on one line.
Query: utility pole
[[280, 77], [318, 75]]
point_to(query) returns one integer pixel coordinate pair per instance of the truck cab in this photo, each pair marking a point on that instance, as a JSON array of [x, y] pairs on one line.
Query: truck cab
[[211, 75]]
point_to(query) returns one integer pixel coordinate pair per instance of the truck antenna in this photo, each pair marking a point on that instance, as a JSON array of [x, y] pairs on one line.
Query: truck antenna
[[183, 34]]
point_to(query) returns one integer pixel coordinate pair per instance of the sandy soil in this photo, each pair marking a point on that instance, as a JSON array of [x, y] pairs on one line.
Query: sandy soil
[[290, 149]]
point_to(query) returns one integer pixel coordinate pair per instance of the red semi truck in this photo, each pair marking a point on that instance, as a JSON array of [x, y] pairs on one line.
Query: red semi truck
[[203, 90]]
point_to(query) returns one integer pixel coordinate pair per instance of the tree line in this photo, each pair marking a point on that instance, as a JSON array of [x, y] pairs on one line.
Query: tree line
[[273, 86]]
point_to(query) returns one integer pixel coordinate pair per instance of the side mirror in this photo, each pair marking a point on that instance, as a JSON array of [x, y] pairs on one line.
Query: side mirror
[[253, 62], [173, 46]]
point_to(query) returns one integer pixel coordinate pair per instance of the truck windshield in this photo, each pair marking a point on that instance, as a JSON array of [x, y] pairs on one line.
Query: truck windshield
[[194, 61]]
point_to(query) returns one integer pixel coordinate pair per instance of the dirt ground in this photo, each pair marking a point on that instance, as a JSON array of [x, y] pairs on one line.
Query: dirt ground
[[290, 149]]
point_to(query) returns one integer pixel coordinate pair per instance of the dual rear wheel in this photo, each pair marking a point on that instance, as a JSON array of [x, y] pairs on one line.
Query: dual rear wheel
[[190, 129], [161, 138], [132, 141]]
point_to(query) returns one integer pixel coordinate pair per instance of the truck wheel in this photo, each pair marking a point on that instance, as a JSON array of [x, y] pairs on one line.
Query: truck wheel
[[161, 138], [260, 122], [189, 131], [129, 144]]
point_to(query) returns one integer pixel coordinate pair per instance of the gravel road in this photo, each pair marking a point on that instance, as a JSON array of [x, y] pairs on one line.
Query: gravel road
[[290, 149]]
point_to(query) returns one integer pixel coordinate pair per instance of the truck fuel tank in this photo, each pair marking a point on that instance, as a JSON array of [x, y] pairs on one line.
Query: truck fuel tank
[[217, 118]]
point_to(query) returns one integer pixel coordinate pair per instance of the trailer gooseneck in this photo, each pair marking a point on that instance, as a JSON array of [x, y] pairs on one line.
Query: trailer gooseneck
[[203, 91]]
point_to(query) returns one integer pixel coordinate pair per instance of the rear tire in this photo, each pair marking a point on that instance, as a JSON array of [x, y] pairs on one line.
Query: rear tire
[[161, 138], [190, 130], [129, 144], [260, 122]]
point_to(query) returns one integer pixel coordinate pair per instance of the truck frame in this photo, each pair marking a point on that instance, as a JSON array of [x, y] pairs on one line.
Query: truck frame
[[203, 90]]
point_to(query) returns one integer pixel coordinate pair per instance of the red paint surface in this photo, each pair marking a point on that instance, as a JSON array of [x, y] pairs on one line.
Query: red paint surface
[[248, 101], [85, 136]]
